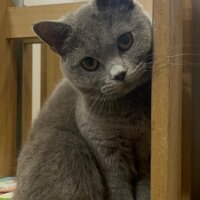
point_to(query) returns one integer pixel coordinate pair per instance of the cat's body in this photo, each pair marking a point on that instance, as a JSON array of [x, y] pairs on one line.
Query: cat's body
[[120, 133], [91, 140]]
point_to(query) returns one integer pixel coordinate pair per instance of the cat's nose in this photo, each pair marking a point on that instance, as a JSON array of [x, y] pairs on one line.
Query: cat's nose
[[118, 72], [121, 76]]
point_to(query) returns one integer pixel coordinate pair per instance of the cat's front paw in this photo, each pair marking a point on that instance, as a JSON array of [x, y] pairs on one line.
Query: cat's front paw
[[143, 190]]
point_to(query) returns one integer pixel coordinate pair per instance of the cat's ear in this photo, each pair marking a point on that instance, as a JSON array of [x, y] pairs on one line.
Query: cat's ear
[[112, 4], [53, 33]]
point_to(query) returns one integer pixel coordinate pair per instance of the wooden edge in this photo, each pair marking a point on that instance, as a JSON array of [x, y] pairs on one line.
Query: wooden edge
[[32, 41], [43, 91], [26, 91], [8, 100], [21, 19], [195, 101], [50, 72], [187, 102], [167, 101]]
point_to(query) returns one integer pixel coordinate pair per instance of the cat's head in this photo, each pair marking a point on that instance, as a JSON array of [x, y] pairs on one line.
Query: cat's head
[[104, 46]]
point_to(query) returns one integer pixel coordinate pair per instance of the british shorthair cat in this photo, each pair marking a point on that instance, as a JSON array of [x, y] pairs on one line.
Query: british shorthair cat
[[91, 140]]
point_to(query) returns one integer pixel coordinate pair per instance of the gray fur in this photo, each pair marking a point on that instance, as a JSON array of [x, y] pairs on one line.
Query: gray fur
[[91, 140]]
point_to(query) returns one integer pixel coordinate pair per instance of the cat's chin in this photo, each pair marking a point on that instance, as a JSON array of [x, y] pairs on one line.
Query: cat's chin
[[123, 90], [113, 93]]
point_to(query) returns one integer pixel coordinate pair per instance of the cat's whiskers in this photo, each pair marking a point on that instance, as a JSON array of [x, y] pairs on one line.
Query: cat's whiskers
[[74, 105], [111, 103], [161, 62], [159, 58], [176, 49], [158, 68], [94, 102], [93, 105], [69, 114], [102, 102]]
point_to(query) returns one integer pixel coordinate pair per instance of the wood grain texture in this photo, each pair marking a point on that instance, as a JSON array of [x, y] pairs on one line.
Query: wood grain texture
[[8, 100], [196, 100], [167, 100], [26, 91], [21, 19], [50, 72], [187, 101]]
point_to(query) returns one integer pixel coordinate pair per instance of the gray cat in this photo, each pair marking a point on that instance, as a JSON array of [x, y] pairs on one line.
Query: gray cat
[[91, 140]]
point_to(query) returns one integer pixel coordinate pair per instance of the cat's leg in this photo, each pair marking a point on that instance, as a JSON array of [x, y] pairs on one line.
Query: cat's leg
[[119, 169], [61, 167], [143, 189], [119, 180]]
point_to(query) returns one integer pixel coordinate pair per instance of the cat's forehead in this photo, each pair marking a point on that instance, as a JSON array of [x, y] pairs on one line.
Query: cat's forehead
[[99, 30], [97, 33], [88, 22]]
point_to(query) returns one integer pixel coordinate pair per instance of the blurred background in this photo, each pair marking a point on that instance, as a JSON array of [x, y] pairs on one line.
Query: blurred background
[[36, 50]]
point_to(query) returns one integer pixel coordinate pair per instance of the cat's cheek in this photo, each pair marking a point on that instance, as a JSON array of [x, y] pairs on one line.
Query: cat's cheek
[[83, 81]]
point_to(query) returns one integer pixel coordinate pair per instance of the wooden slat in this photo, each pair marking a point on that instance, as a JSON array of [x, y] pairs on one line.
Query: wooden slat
[[187, 101], [26, 91], [32, 41], [21, 19], [196, 99], [8, 100], [166, 100], [50, 72]]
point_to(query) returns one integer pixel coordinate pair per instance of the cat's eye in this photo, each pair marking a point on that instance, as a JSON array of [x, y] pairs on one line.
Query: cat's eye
[[125, 41], [89, 64]]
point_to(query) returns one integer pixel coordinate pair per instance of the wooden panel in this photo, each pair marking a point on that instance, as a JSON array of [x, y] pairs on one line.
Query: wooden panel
[[8, 92], [26, 91], [21, 19], [187, 101], [50, 72], [196, 100], [166, 100]]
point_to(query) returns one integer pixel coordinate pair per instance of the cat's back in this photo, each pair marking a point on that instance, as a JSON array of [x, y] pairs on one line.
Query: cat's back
[[54, 120], [58, 111]]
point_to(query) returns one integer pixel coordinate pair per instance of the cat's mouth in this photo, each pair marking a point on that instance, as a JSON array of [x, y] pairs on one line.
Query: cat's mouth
[[116, 90], [134, 78]]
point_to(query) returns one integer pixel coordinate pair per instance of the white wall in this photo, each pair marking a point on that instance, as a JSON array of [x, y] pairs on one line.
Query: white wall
[[18, 2], [43, 2], [36, 80]]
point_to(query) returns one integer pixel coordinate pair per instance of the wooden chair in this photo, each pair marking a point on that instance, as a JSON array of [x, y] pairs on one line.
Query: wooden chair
[[175, 92]]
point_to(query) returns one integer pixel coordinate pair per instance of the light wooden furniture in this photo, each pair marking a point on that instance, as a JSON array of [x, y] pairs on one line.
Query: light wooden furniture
[[175, 89]]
